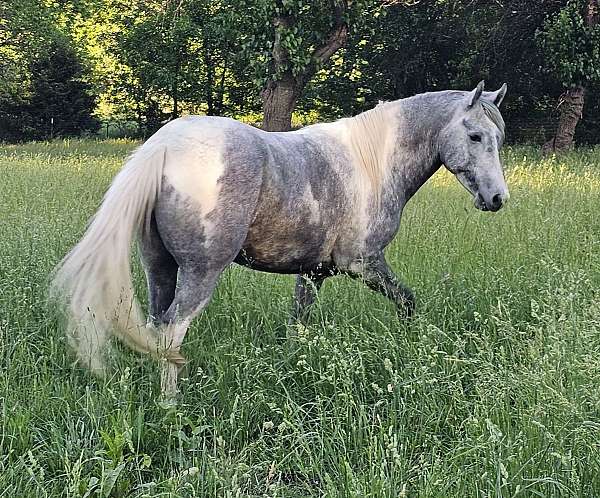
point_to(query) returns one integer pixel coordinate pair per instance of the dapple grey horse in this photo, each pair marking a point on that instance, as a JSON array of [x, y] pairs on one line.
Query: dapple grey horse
[[204, 192]]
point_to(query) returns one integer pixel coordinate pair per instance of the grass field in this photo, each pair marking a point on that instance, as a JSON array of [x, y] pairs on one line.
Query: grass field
[[492, 390]]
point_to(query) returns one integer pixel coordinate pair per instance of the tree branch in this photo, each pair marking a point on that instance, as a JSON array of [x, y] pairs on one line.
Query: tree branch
[[336, 40], [338, 35]]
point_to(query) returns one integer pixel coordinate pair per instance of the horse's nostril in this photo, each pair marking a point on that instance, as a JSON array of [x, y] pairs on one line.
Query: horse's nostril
[[497, 201]]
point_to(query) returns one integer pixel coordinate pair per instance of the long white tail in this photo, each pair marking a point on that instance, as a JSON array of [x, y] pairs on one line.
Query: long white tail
[[94, 280]]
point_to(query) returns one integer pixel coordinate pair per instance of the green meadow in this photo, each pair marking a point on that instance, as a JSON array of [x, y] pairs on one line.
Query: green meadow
[[491, 390]]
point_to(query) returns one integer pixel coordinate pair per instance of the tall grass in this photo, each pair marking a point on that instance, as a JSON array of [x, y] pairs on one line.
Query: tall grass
[[493, 389]]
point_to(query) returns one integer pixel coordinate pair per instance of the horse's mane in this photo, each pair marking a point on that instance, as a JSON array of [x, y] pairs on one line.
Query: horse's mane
[[368, 133]]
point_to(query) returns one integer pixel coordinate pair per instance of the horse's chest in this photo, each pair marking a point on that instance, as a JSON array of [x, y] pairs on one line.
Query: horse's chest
[[383, 227]]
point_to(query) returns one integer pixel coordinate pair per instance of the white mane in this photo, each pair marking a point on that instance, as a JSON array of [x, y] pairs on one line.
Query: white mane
[[368, 136]]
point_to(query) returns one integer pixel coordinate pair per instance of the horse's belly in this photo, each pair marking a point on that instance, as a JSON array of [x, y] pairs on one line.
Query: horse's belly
[[299, 213], [288, 249], [287, 267]]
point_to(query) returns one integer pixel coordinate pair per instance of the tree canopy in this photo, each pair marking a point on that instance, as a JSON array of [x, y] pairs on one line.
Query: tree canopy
[[139, 64]]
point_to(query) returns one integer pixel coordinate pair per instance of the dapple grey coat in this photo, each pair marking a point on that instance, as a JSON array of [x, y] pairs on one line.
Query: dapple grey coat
[[204, 192]]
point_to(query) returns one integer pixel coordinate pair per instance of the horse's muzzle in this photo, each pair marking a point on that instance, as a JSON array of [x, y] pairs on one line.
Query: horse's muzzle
[[493, 204]]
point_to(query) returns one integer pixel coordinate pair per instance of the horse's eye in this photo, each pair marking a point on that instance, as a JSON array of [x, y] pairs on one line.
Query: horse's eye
[[475, 137]]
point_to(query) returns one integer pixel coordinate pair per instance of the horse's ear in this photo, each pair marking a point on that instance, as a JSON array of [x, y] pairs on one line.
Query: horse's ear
[[476, 94], [496, 97]]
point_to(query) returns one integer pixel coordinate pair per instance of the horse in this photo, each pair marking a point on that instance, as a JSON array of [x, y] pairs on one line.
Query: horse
[[205, 192]]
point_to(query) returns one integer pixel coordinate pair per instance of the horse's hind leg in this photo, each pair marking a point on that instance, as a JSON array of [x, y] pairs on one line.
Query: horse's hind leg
[[194, 290], [161, 272], [202, 247]]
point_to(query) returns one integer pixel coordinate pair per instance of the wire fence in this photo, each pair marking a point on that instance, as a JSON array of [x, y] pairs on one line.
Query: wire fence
[[538, 130], [530, 130]]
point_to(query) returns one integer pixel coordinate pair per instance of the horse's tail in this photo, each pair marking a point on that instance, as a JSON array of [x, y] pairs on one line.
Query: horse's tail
[[94, 282]]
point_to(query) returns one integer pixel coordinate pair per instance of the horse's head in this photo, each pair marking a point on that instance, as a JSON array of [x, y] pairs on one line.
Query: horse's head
[[470, 145]]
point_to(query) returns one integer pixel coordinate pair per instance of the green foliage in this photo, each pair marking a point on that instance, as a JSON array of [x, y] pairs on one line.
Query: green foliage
[[61, 103], [173, 57], [418, 47], [571, 47], [376, 64], [309, 25], [147, 62], [24, 32], [43, 78], [160, 48], [490, 390]]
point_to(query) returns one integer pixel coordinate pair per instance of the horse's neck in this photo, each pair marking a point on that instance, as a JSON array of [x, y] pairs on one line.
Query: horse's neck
[[396, 144], [416, 155], [413, 170]]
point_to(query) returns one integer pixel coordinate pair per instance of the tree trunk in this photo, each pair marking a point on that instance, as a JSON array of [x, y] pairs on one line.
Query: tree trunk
[[140, 120], [221, 90], [571, 101], [279, 99], [175, 91], [175, 114], [280, 94], [210, 78], [571, 109]]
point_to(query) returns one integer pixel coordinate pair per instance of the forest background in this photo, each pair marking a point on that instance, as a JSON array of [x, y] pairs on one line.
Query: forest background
[[114, 68]]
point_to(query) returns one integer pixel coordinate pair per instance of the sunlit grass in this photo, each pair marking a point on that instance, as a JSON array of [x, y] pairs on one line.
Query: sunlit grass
[[493, 389]]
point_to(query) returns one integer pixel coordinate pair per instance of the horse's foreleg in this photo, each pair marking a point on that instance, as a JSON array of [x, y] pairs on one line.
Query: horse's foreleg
[[379, 277], [307, 288]]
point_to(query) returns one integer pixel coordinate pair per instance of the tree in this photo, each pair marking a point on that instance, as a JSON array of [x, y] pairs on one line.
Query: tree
[[289, 41], [24, 34], [291, 69], [61, 102], [171, 57], [217, 32], [159, 48], [42, 87], [571, 43]]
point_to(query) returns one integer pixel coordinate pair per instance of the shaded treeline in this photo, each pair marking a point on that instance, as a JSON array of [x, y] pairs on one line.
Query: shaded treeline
[[67, 65]]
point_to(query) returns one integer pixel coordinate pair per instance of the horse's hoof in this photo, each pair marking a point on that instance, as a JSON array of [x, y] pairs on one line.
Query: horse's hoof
[[407, 308], [176, 358]]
